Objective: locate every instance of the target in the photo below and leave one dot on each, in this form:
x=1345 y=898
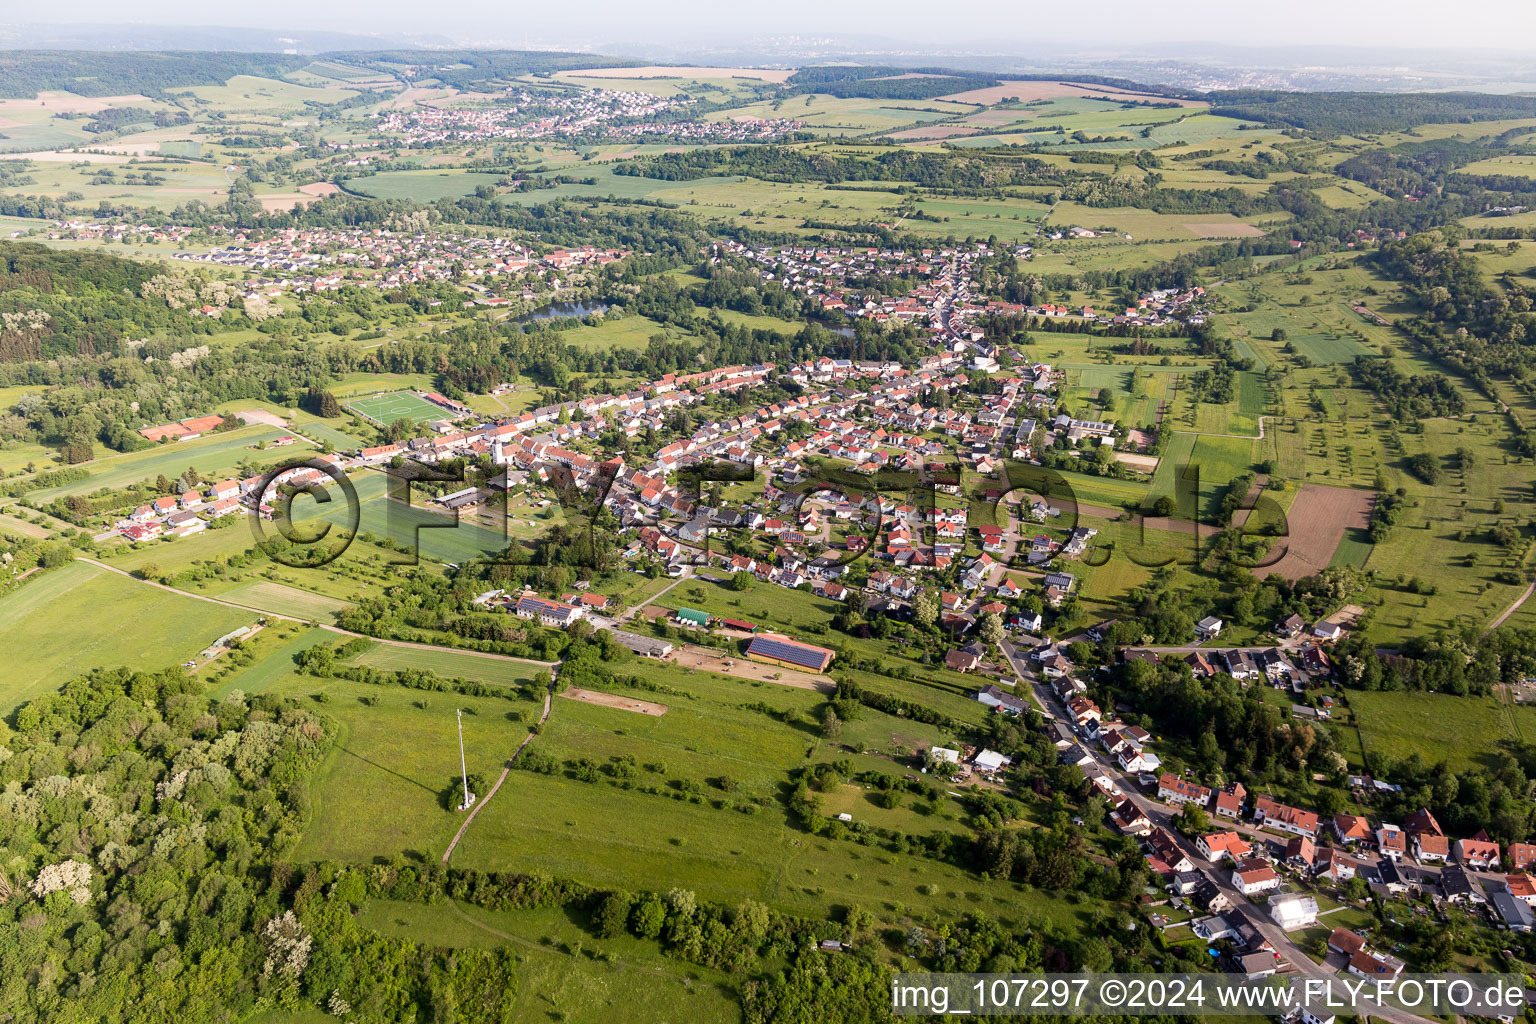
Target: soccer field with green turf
x=386 y=408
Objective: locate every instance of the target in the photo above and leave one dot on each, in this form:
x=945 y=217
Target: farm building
x=648 y=646
x=692 y=617
x=550 y=613
x=778 y=650
x=741 y=624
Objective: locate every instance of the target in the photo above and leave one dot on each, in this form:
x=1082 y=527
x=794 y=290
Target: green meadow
x=69 y=620
x=1461 y=731
x=213 y=455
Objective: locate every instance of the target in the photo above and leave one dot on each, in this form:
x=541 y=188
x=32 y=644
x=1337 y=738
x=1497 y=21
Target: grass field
x=1462 y=731
x=394 y=753
x=1143 y=225
x=1200 y=461
x=248 y=93
x=352 y=385
x=401 y=753
x=21 y=527
x=70 y=620
x=597 y=830
x=275 y=662
x=396 y=405
x=420 y=186
x=437 y=537
x=265 y=595
x=213 y=455
x=453 y=664
x=631 y=332
x=176 y=182
x=608 y=979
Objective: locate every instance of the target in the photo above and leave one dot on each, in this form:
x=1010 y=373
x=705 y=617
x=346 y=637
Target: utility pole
x=463 y=770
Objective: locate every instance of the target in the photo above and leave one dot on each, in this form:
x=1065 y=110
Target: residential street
x=1161 y=816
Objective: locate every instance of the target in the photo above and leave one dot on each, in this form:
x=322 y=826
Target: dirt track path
x=505 y=771
x=626 y=616
x=333 y=629
x=1496 y=623
x=1243 y=437
x=553 y=666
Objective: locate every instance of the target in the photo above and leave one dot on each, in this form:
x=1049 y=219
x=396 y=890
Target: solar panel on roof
x=786 y=650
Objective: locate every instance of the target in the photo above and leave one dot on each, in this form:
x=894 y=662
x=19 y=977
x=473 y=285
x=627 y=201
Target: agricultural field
x=78 y=617
x=1153 y=227
x=213 y=455
x=266 y=595
x=1321 y=518
x=262 y=97
x=173 y=182
x=420 y=186
x=1462 y=731
x=1200 y=464
x=833 y=116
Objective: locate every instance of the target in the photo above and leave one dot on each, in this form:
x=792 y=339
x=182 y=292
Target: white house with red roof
x=1478 y=853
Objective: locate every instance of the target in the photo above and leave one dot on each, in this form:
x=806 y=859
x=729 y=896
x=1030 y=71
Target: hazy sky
x=1026 y=27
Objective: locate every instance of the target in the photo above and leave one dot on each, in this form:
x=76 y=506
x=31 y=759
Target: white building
x=1293 y=910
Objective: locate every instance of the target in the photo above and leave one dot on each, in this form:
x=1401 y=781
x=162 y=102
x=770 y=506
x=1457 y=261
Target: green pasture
x=215 y=456
x=631 y=332
x=434 y=537
x=1461 y=731
x=421 y=186
x=70 y=620
x=563 y=964
x=251 y=95
x=453 y=664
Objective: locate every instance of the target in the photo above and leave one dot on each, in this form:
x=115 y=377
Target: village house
x=1169 y=857
x=1515 y=913
x=1173 y=790
x=995 y=697
x=1333 y=865
x=1252 y=877
x=1477 y=854
x=1272 y=814
x=961 y=661
x=1456 y=886
x=1293 y=910
x=1300 y=853
x=1129 y=819
x=1521 y=887
x=1368 y=963
x=1391 y=842
x=1290 y=626
x=1430 y=849
x=1227 y=802
x=1351 y=829
x=1219 y=846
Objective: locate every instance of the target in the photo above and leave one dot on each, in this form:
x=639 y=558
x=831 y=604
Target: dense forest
x=477 y=70
x=1366 y=113
x=782 y=164
x=1469 y=324
x=25 y=73
x=886 y=83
